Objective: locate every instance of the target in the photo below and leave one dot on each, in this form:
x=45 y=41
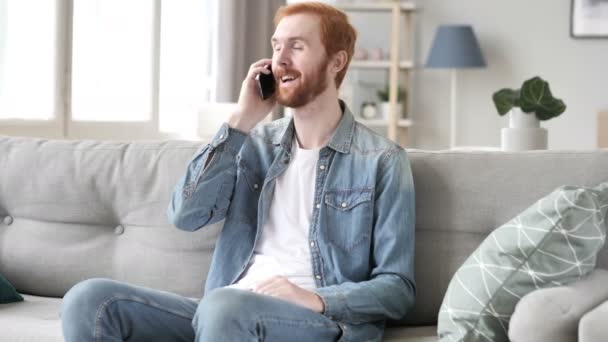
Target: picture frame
x=589 y=19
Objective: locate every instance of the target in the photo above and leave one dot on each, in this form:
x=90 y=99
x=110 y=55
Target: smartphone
x=266 y=84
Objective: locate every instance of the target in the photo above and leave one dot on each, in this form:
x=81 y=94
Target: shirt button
x=344 y=204
x=322 y=167
x=255 y=186
x=318 y=205
x=221 y=136
x=318 y=277
x=312 y=244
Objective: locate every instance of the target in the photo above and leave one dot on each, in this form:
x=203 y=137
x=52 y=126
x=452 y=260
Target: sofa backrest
x=83 y=209
x=462 y=196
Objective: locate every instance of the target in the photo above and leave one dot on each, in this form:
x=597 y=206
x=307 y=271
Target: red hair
x=337 y=33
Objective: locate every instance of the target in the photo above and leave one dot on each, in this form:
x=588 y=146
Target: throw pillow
x=8 y=294
x=552 y=243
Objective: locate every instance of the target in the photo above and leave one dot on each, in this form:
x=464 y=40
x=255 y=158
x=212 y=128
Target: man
x=318 y=237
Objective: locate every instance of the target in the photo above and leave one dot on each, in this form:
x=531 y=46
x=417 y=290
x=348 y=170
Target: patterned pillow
x=553 y=242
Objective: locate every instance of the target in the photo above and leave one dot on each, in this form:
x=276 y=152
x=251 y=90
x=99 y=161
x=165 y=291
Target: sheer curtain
x=243 y=37
x=188 y=33
x=205 y=59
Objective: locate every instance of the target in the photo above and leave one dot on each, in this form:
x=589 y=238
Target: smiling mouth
x=287 y=79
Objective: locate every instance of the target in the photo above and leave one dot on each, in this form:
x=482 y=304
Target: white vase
x=524 y=132
x=385 y=109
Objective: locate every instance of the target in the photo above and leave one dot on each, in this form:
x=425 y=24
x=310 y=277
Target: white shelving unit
x=398 y=67
x=369 y=64
x=378 y=6
x=401 y=123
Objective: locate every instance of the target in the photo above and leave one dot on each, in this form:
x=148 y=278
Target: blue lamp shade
x=455 y=46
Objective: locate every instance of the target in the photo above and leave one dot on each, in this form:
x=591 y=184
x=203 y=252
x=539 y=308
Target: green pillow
x=8 y=294
x=551 y=243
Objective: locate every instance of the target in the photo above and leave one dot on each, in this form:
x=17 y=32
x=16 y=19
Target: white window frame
x=62 y=126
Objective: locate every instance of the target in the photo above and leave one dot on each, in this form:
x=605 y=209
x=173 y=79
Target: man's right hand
x=251 y=109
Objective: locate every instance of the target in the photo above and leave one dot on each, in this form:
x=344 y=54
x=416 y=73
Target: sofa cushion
x=564 y=304
x=38 y=319
x=8 y=294
x=411 y=334
x=33 y=320
x=553 y=242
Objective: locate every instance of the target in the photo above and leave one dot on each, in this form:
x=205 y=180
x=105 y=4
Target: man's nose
x=282 y=58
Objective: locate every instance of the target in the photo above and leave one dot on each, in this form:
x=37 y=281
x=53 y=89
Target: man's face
x=299 y=61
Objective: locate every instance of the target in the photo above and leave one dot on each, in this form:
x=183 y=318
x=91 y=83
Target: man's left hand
x=282 y=288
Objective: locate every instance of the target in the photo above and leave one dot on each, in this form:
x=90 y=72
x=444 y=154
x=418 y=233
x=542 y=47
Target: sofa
x=72 y=210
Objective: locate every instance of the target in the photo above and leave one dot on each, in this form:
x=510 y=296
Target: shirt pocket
x=247 y=176
x=348 y=217
x=246 y=193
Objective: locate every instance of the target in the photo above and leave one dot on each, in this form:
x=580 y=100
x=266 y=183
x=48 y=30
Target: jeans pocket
x=348 y=217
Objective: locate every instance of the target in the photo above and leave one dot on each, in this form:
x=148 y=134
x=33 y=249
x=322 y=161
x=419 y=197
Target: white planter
x=524 y=132
x=385 y=110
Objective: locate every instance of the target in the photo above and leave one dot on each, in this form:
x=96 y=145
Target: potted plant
x=383 y=95
x=527 y=106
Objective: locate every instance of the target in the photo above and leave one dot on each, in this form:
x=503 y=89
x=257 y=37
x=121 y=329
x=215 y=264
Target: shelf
x=475 y=148
x=385 y=6
x=395 y=65
x=382 y=122
x=384 y=64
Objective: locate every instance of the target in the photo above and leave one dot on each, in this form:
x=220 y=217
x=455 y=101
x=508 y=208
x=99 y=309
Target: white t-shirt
x=283 y=248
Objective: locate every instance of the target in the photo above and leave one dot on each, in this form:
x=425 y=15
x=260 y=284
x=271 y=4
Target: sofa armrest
x=553 y=314
x=593 y=327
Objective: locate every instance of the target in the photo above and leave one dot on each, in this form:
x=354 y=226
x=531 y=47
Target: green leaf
x=505 y=99
x=551 y=110
x=536 y=98
x=383 y=94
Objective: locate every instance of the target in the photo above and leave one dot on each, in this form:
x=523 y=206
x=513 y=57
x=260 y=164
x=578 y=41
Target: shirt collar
x=340 y=141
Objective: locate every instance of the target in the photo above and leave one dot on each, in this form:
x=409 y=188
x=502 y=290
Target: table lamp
x=455 y=47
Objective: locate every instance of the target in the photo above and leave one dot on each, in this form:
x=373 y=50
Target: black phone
x=266 y=84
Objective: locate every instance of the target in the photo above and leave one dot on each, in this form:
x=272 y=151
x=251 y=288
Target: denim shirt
x=361 y=235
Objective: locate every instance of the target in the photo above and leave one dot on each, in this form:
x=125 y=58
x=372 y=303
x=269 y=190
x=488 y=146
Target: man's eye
x=297 y=48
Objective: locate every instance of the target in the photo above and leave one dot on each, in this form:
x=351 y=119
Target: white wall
x=520 y=39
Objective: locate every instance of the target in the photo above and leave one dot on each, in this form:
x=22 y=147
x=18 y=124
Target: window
x=106 y=69
x=186 y=77
x=27 y=59
x=112 y=60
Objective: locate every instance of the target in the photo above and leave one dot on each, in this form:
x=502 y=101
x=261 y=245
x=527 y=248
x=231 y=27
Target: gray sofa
x=72 y=210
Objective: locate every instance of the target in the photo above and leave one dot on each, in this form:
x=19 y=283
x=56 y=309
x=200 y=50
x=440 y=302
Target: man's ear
x=338 y=61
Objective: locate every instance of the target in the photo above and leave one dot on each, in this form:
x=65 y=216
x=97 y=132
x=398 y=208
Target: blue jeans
x=109 y=311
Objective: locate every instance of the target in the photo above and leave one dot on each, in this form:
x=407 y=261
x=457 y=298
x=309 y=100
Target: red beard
x=307 y=89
